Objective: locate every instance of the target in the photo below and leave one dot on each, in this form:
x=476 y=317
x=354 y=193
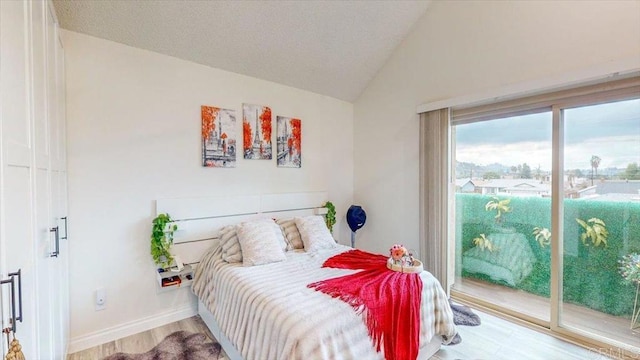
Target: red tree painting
x=289 y=142
x=246 y=135
x=256 y=132
x=265 y=121
x=209 y=114
x=218 y=137
x=296 y=134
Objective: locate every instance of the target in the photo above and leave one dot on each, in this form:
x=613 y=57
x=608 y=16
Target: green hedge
x=591 y=275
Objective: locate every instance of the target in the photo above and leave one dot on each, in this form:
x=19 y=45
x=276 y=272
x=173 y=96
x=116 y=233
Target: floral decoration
x=400 y=255
x=630 y=268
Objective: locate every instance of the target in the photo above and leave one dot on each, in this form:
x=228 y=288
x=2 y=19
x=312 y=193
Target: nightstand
x=171 y=280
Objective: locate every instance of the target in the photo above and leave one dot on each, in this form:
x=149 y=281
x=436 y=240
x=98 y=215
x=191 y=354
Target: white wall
x=469 y=47
x=134 y=136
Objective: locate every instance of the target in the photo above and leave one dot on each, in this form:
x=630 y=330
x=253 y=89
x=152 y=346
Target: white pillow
x=314 y=233
x=291 y=233
x=259 y=243
x=231 y=251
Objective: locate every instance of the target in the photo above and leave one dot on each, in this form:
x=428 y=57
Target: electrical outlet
x=101 y=299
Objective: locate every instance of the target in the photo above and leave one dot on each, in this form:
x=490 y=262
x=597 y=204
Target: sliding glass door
x=601 y=220
x=547 y=215
x=503 y=212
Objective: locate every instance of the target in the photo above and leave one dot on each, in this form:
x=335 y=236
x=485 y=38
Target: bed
x=268 y=312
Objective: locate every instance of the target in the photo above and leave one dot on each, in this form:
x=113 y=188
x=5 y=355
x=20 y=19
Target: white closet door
x=47 y=180
x=55 y=270
x=52 y=89
x=33 y=176
x=61 y=200
x=16 y=167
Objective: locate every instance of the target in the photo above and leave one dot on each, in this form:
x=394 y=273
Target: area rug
x=181 y=345
x=462 y=315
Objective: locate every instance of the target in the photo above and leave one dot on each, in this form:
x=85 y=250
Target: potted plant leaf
x=483 y=243
x=595 y=231
x=501 y=207
x=630 y=271
x=543 y=236
x=162 y=239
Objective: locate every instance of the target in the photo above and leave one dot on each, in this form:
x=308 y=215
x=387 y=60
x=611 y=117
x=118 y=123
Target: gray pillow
x=291 y=233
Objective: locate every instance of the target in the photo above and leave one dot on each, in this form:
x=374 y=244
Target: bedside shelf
x=184 y=278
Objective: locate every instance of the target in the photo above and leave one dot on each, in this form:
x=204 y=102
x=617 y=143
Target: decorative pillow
x=291 y=233
x=314 y=233
x=259 y=243
x=231 y=251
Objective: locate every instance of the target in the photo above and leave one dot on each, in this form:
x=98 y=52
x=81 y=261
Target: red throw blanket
x=390 y=299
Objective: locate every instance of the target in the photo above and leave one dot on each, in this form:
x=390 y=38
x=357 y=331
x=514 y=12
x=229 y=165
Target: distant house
x=465 y=185
x=586 y=193
x=522 y=187
x=618 y=187
x=616 y=190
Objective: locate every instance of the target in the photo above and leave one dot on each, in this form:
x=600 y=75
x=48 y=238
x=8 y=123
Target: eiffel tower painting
x=256 y=128
x=218 y=137
x=289 y=142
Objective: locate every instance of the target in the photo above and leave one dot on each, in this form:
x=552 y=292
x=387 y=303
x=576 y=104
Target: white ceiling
x=333 y=48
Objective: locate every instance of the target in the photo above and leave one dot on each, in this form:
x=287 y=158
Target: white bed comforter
x=268 y=312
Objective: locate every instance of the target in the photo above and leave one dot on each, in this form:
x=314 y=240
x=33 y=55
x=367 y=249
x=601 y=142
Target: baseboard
x=130 y=328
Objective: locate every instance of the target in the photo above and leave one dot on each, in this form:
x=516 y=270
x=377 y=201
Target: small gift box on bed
x=401 y=260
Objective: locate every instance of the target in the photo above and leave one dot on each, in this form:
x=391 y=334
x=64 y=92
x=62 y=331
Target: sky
x=227 y=118
x=610 y=131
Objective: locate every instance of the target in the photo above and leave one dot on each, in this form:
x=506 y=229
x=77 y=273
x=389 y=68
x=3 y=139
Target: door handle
x=19 y=275
x=56 y=252
x=12 y=282
x=66 y=229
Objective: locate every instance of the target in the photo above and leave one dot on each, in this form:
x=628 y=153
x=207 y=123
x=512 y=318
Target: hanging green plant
x=330 y=217
x=162 y=239
x=595 y=230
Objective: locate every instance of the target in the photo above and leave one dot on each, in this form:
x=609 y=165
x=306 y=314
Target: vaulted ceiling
x=332 y=48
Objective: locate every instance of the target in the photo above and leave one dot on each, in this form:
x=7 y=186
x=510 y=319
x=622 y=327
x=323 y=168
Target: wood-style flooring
x=144 y=341
x=495 y=339
x=499 y=339
x=581 y=317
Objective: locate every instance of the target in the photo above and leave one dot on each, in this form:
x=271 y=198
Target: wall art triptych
x=219 y=137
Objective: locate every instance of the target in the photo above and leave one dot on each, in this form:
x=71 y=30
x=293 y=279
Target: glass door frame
x=607 y=346
x=597 y=343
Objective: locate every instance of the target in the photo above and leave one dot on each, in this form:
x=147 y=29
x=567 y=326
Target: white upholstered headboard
x=200 y=218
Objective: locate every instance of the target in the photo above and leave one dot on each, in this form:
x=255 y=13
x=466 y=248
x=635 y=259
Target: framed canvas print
x=218 y=137
x=289 y=142
x=256 y=132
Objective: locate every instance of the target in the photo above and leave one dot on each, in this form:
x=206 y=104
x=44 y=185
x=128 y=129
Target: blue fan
x=356 y=217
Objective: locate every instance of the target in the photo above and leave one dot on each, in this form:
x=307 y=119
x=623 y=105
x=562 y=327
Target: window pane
x=601 y=218
x=503 y=212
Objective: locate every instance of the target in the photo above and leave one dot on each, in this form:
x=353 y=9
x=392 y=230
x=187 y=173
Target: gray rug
x=462 y=315
x=181 y=345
